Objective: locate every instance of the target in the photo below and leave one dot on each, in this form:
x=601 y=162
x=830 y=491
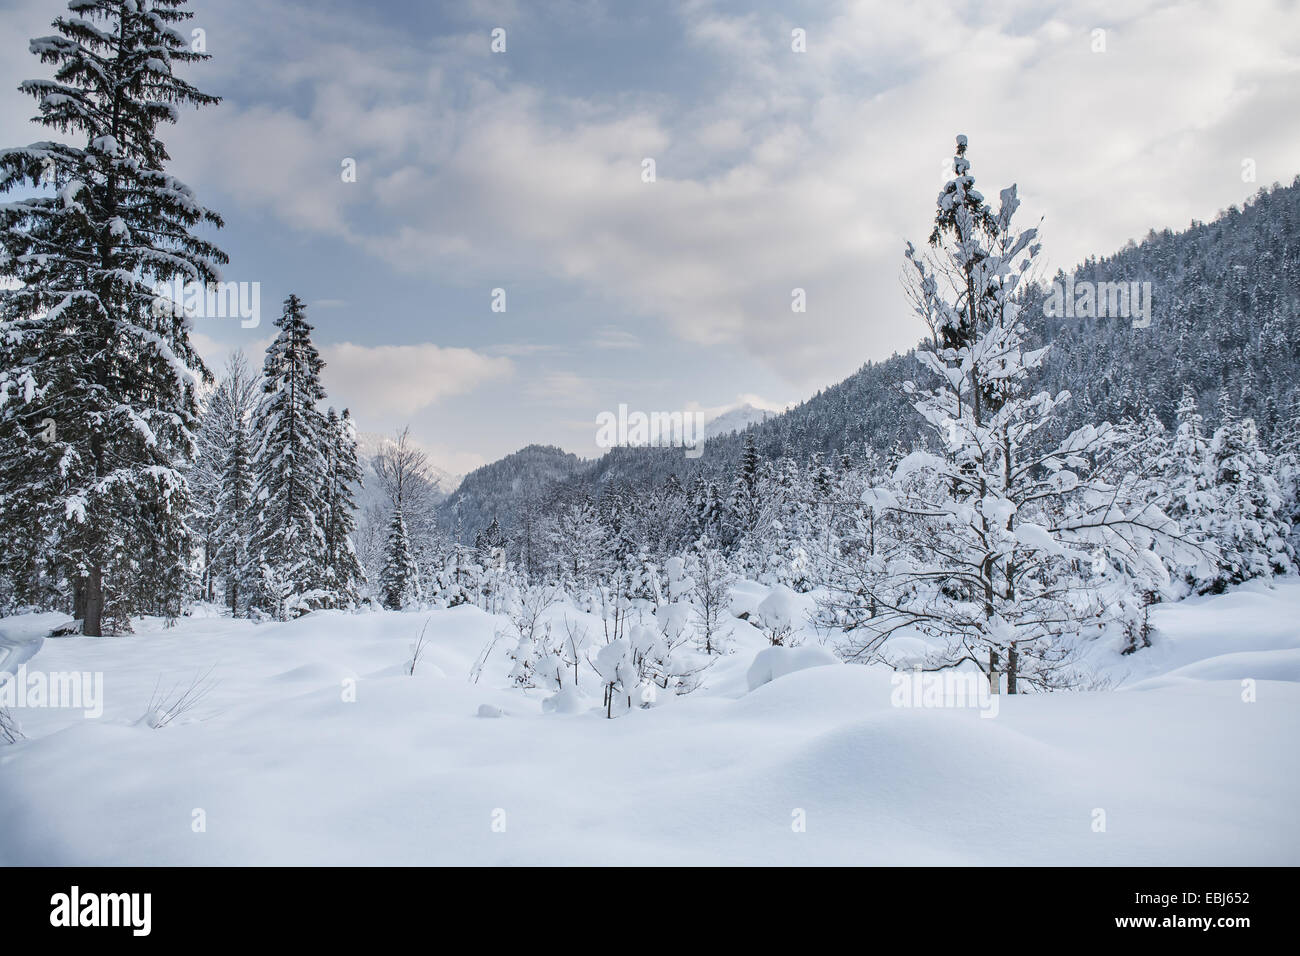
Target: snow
x=774 y=662
x=286 y=769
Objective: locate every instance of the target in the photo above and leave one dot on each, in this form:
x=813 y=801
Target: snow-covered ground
x=815 y=766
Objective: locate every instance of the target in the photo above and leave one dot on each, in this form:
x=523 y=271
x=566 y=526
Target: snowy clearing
x=283 y=770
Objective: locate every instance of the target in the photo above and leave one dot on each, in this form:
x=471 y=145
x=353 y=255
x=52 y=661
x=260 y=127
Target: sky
x=775 y=169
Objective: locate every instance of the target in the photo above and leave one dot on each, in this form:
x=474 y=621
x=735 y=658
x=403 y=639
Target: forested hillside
x=1225 y=317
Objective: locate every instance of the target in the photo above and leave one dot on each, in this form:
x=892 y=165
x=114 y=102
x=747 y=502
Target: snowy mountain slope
x=1226 y=313
x=285 y=770
x=499 y=488
x=737 y=420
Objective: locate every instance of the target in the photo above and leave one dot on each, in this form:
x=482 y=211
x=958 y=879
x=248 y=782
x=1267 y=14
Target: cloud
x=523 y=349
x=796 y=171
x=563 y=388
x=742 y=401
x=775 y=170
x=399 y=380
x=215 y=352
x=615 y=339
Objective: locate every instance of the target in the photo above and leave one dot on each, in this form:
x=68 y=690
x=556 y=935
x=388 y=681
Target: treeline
x=125 y=488
x=274 y=485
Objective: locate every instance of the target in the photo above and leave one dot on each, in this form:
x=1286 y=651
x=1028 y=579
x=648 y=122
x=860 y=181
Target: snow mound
x=774 y=662
x=566 y=701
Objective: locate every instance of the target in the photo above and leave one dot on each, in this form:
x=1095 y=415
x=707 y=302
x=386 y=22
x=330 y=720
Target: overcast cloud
x=775 y=170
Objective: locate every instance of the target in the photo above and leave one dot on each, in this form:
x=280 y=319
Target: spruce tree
x=1191 y=493
x=745 y=490
x=489 y=542
x=97 y=386
x=1246 y=523
x=233 y=521
x=1004 y=518
x=229 y=406
x=344 y=476
x=292 y=472
x=399 y=581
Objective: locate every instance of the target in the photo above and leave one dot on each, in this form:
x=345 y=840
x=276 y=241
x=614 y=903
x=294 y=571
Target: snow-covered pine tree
x=291 y=468
x=97 y=386
x=1002 y=516
x=1286 y=470
x=579 y=540
x=707 y=517
x=490 y=543
x=233 y=559
x=1189 y=482
x=1246 y=523
x=399 y=581
x=343 y=477
x=743 y=505
x=405 y=476
x=231 y=403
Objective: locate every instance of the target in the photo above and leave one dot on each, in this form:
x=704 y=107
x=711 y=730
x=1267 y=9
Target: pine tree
x=1246 y=523
x=343 y=476
x=999 y=518
x=233 y=558
x=490 y=543
x=579 y=540
x=706 y=509
x=399 y=581
x=744 y=505
x=405 y=476
x=1189 y=482
x=292 y=472
x=1286 y=468
x=230 y=405
x=97 y=385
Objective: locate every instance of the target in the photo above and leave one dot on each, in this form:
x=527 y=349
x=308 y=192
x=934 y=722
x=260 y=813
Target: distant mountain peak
x=737 y=420
x=370 y=444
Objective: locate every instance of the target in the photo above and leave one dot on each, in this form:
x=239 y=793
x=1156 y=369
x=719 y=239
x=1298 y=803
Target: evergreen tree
x=343 y=476
x=230 y=405
x=292 y=468
x=1286 y=469
x=233 y=559
x=490 y=543
x=706 y=509
x=1005 y=518
x=399 y=581
x=97 y=384
x=1190 y=490
x=744 y=505
x=1246 y=522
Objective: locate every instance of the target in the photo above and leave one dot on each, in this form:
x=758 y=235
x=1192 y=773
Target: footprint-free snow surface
x=314 y=745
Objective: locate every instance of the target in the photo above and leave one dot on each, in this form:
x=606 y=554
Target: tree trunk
x=1011 y=669
x=993 y=671
x=79 y=599
x=93 y=623
x=207 y=570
